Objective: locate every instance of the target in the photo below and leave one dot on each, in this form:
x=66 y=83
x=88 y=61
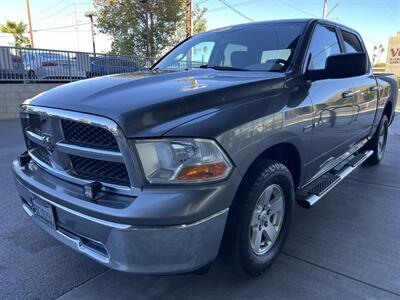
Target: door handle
x=373 y=88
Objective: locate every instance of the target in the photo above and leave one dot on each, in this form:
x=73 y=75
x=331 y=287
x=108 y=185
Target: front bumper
x=143 y=249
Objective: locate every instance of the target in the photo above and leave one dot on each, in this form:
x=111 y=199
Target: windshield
x=259 y=47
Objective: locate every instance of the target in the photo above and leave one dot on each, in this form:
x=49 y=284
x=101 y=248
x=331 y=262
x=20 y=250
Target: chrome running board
x=313 y=192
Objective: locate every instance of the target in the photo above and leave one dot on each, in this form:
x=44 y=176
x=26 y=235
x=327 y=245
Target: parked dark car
x=111 y=65
x=157 y=172
x=16 y=70
x=50 y=65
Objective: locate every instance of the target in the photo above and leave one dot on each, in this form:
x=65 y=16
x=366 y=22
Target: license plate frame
x=43 y=211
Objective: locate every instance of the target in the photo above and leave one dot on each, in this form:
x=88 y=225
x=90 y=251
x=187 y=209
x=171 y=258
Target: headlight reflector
x=182 y=160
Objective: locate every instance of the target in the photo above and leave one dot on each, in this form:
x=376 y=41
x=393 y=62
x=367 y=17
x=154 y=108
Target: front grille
x=40 y=152
x=86 y=135
x=99 y=170
x=33 y=123
x=57 y=127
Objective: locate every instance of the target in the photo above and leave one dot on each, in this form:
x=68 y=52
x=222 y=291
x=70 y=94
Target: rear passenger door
x=364 y=90
x=332 y=104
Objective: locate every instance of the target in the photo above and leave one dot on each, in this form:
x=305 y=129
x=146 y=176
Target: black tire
x=236 y=246
x=375 y=143
x=32 y=75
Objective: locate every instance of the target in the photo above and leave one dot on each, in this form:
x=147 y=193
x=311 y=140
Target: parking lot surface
x=346 y=247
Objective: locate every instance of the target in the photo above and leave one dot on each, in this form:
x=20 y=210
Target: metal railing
x=44 y=65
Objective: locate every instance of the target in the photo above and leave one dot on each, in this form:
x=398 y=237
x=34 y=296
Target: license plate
x=43 y=211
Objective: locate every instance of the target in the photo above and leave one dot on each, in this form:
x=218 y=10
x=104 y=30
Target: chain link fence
x=45 y=65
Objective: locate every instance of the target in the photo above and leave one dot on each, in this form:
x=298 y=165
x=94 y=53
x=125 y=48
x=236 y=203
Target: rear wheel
x=378 y=142
x=260 y=218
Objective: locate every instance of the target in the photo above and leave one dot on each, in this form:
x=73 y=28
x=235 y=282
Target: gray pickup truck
x=206 y=153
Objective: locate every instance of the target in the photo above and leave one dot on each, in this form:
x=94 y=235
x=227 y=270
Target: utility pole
x=28 y=8
x=76 y=23
x=188 y=15
x=325 y=11
x=91 y=14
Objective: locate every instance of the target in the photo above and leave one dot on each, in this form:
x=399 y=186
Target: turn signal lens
x=204 y=172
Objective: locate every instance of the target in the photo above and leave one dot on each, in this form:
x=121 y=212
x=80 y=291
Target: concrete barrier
x=13 y=94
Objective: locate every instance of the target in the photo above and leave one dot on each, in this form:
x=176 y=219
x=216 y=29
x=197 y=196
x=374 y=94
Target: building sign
x=393 y=55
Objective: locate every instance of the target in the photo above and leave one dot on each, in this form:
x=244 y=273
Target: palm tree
x=17 y=30
x=381 y=50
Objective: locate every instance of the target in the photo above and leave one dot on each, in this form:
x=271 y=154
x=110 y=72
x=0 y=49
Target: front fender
x=246 y=131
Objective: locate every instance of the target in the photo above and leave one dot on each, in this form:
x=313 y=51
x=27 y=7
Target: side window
x=351 y=42
x=324 y=43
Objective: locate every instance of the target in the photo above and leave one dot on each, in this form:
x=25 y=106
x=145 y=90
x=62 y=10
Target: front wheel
x=260 y=217
x=378 y=142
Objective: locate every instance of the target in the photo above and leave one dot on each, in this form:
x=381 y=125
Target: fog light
x=24 y=159
x=92 y=191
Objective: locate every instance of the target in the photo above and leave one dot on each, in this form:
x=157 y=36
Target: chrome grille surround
x=51 y=138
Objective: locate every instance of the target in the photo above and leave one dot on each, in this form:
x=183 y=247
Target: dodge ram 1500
x=206 y=153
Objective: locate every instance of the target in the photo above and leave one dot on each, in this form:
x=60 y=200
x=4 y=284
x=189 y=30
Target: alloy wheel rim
x=382 y=140
x=267 y=219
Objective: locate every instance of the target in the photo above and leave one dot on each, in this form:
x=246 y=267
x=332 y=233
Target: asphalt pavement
x=346 y=247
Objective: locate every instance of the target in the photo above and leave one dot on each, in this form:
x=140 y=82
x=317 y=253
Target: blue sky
x=376 y=20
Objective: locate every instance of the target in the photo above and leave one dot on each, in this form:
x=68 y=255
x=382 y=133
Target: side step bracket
x=314 y=191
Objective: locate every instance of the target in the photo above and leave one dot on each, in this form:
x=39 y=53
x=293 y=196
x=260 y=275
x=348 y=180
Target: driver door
x=332 y=104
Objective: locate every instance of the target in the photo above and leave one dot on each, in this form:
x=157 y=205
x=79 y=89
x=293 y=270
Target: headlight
x=182 y=160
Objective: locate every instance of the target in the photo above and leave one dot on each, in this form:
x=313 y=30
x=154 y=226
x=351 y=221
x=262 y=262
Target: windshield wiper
x=222 y=68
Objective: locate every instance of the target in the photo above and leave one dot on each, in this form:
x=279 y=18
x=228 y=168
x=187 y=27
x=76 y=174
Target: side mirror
x=341 y=66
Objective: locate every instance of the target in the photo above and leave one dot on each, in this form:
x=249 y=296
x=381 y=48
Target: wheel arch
x=388 y=110
x=284 y=152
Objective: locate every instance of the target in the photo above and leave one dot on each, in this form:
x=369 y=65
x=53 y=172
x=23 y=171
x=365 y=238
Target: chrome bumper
x=136 y=249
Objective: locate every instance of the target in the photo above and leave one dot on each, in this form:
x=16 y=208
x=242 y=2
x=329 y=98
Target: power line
x=49 y=8
x=62 y=18
x=56 y=13
x=1 y=14
x=236 y=11
x=363 y=36
x=236 y=5
x=298 y=9
x=369 y=40
x=61 y=27
x=252 y=2
x=65 y=31
x=333 y=8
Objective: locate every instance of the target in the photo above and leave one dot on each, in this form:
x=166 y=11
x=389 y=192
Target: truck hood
x=149 y=104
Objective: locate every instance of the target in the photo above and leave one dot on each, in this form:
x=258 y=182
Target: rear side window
x=324 y=43
x=351 y=42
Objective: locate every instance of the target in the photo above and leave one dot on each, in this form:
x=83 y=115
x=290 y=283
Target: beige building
x=393 y=55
